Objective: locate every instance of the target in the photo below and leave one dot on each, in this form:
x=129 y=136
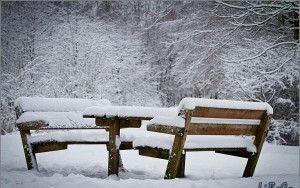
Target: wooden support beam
x=154 y=152
x=181 y=167
x=258 y=142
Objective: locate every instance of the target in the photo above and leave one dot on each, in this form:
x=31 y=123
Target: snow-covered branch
x=259 y=54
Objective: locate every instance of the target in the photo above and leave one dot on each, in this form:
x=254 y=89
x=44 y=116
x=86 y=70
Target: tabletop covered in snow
x=129 y=111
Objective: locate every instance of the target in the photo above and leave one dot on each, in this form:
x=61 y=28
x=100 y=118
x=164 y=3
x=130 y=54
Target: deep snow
x=86 y=166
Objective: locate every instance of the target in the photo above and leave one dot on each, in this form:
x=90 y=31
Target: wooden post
x=177 y=149
x=29 y=153
x=262 y=132
x=113 y=150
x=181 y=166
x=121 y=166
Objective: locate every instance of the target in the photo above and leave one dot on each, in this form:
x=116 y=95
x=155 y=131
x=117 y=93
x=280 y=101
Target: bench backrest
x=209 y=117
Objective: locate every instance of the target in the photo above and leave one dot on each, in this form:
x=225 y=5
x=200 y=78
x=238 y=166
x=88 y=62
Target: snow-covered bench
x=50 y=124
x=229 y=127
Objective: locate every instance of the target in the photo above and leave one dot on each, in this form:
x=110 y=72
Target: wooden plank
x=181 y=167
x=126 y=146
x=227 y=113
x=28 y=152
x=32 y=125
x=130 y=123
x=113 y=158
x=177 y=149
x=221 y=129
x=258 y=142
x=154 y=152
x=46 y=147
x=164 y=129
x=105 y=122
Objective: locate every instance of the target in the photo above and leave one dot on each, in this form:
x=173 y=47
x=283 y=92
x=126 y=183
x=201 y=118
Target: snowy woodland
x=154 y=53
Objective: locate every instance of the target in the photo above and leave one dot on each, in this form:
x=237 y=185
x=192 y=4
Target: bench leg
x=175 y=157
x=29 y=153
x=181 y=167
x=258 y=142
x=250 y=167
x=113 y=150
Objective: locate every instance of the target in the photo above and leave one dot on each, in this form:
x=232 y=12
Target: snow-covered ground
x=86 y=166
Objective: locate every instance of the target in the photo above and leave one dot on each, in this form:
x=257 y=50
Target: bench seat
x=70 y=136
x=197 y=143
x=236 y=128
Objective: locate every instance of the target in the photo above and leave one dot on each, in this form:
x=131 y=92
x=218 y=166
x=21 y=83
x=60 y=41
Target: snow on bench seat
x=129 y=111
x=194 y=142
x=178 y=121
x=192 y=103
x=76 y=136
x=40 y=104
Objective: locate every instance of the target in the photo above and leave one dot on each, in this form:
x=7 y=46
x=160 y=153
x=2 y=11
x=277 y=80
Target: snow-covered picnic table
x=222 y=124
x=117 y=117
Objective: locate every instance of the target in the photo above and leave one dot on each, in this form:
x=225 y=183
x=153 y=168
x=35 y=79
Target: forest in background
x=154 y=53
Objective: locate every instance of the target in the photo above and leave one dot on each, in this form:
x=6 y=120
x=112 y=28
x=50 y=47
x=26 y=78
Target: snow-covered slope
x=86 y=166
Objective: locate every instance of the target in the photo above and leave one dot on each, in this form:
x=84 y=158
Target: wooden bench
x=208 y=117
x=51 y=124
